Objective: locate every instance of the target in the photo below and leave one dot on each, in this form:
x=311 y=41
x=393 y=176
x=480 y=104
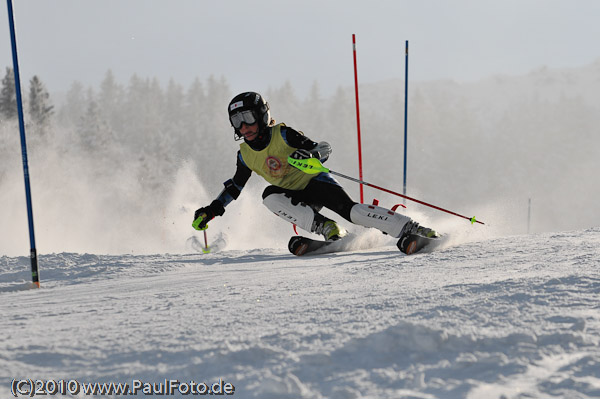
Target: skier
x=293 y=195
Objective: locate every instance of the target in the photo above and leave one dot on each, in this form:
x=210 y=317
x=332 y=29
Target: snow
x=503 y=317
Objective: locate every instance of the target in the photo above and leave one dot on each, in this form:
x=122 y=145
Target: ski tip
x=301 y=249
x=412 y=244
x=411 y=248
x=296 y=246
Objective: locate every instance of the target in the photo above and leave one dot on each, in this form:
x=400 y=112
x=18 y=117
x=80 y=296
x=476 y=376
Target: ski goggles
x=238 y=118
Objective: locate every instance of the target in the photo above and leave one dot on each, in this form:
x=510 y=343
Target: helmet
x=248 y=107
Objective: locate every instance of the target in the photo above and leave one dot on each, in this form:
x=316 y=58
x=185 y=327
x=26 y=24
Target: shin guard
x=380 y=218
x=281 y=205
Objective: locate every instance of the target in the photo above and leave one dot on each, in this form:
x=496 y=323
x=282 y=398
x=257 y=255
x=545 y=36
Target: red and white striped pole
x=360 y=174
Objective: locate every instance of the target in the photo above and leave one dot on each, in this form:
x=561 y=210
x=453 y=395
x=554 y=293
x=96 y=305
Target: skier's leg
x=325 y=192
x=299 y=214
x=281 y=203
x=387 y=221
x=329 y=193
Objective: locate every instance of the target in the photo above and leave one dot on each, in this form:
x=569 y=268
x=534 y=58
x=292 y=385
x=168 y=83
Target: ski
x=300 y=245
x=414 y=243
x=411 y=244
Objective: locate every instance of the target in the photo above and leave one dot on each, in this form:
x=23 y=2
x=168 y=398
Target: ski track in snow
x=510 y=317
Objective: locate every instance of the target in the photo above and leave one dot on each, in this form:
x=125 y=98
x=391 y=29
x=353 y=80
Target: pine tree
x=173 y=109
x=110 y=102
x=40 y=109
x=194 y=115
x=74 y=106
x=94 y=132
x=8 y=96
x=311 y=112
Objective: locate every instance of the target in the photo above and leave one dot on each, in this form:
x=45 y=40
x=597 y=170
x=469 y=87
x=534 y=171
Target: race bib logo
x=274 y=166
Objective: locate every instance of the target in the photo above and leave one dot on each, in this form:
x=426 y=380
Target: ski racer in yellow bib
x=293 y=195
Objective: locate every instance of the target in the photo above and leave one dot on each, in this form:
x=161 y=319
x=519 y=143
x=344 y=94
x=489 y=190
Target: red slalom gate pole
x=360 y=173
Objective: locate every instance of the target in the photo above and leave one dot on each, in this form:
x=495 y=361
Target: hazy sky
x=262 y=43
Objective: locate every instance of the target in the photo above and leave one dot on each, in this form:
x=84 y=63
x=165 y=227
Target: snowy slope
x=510 y=317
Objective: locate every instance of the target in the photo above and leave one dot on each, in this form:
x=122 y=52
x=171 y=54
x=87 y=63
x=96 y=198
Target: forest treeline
x=467 y=141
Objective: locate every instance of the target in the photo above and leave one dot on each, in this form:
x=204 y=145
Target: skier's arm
x=232 y=190
x=234 y=186
x=306 y=147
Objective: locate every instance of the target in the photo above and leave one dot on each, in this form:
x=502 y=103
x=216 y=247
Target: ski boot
x=327 y=227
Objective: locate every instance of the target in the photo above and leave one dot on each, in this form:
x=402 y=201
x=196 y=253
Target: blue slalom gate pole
x=33 y=254
x=405 y=117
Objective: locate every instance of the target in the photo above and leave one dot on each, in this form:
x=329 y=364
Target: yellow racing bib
x=271 y=162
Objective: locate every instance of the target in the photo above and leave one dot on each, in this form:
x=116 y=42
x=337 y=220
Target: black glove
x=207 y=214
x=301 y=154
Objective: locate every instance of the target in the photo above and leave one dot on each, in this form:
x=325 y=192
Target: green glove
x=201 y=222
x=205 y=214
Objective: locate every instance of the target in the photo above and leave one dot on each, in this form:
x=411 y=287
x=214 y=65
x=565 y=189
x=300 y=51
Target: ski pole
x=313 y=166
x=206 y=248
